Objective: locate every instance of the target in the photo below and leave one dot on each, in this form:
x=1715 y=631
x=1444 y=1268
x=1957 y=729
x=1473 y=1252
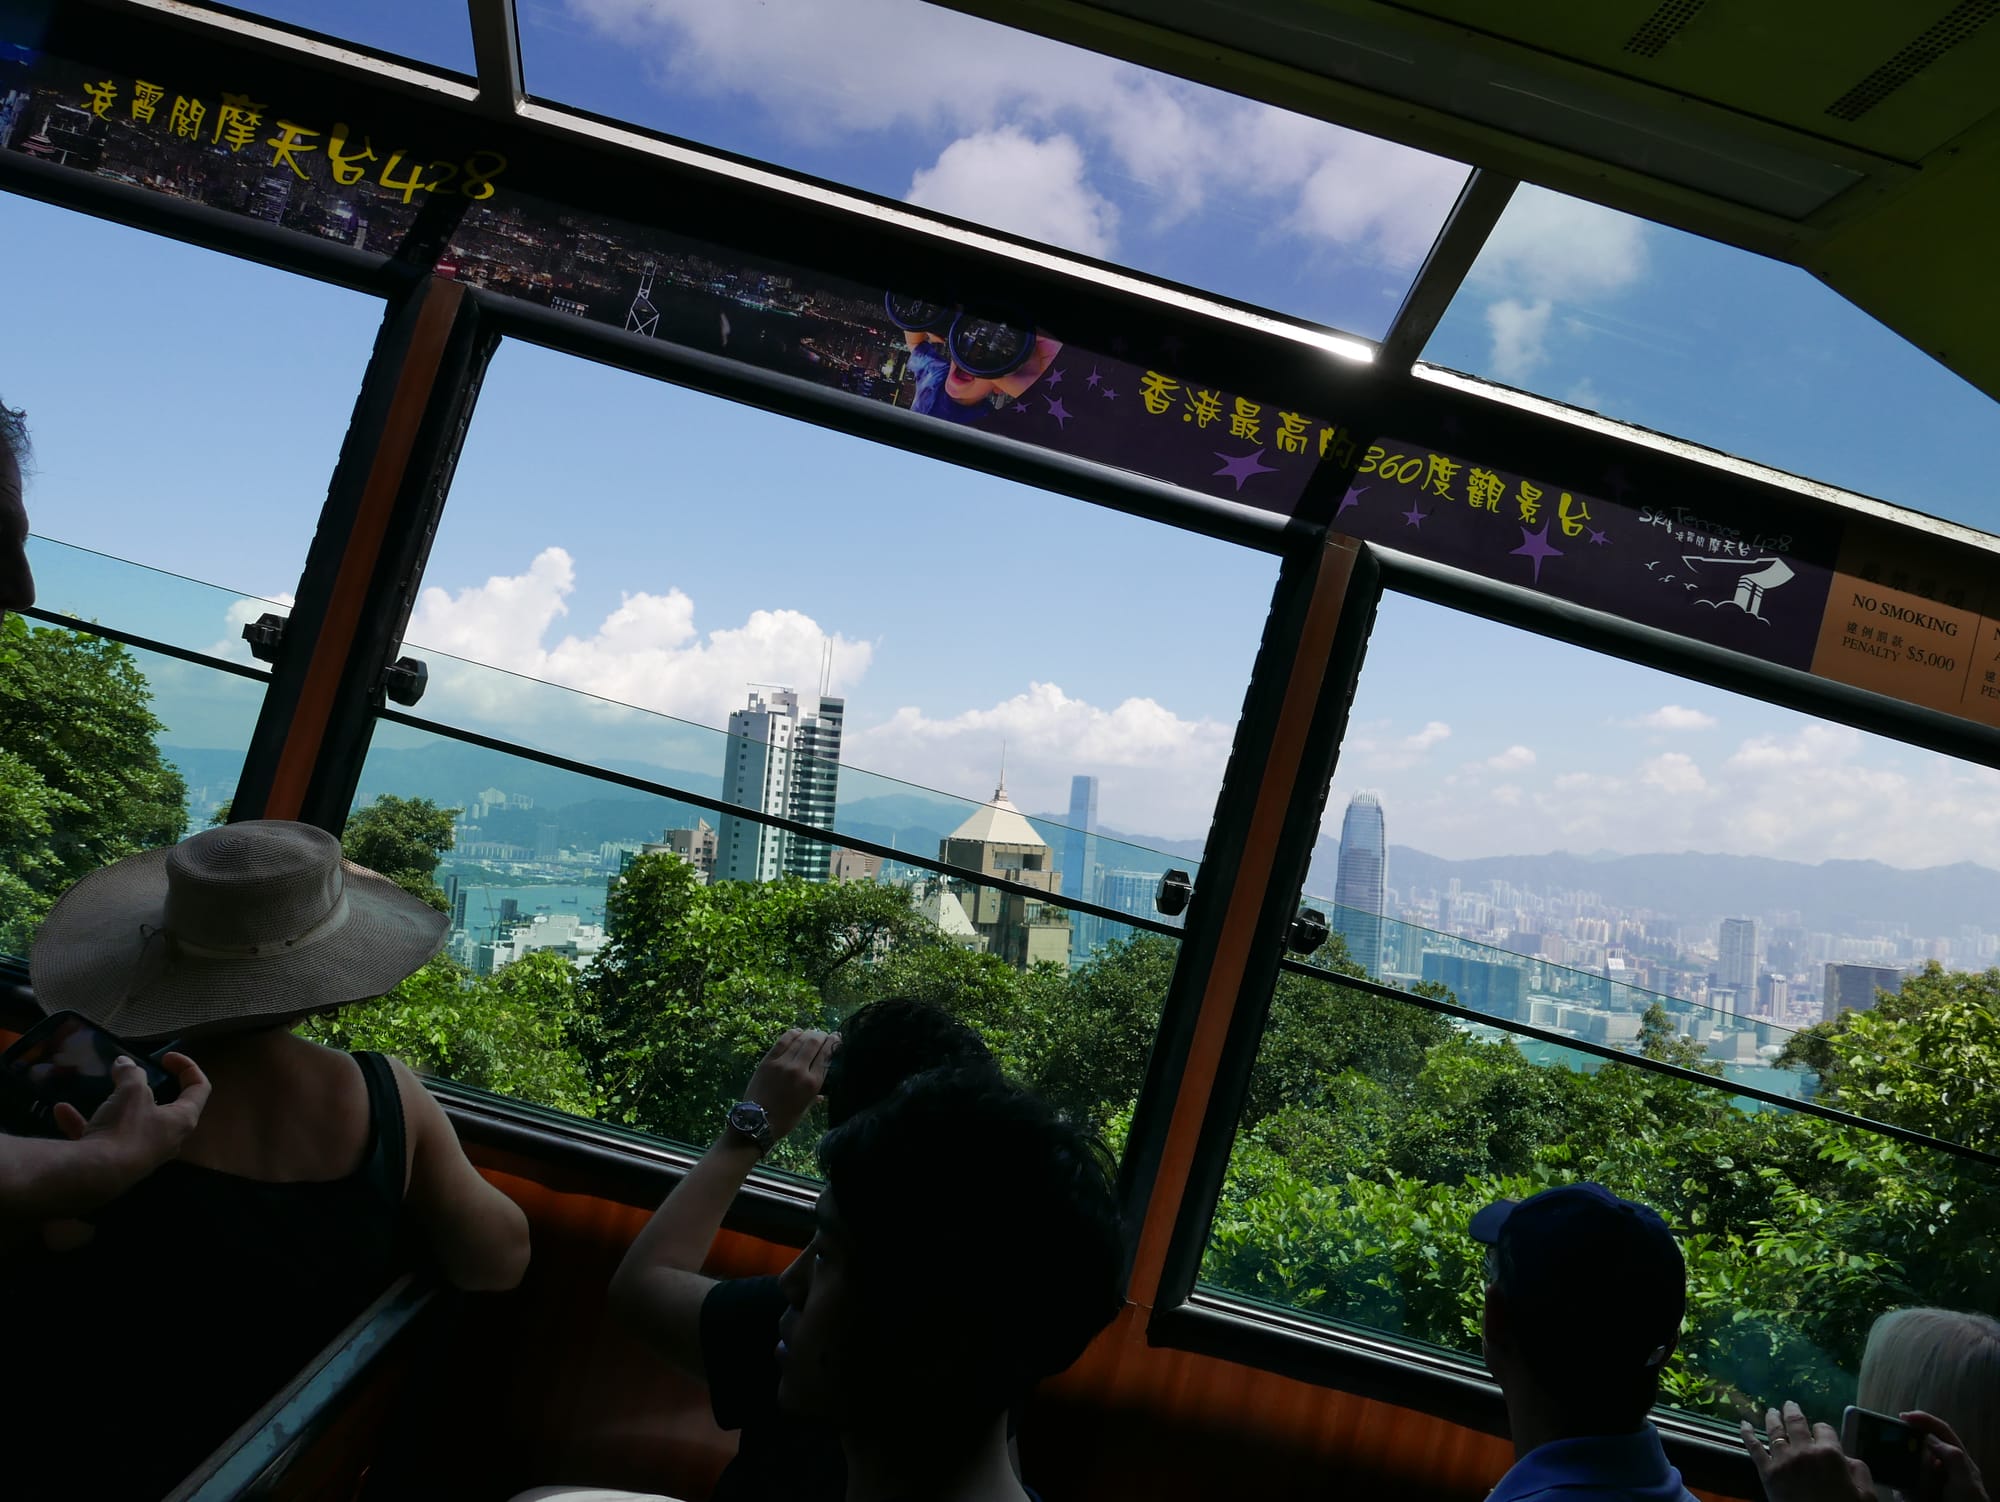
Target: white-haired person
x=311 y=1180
x=1938 y=1370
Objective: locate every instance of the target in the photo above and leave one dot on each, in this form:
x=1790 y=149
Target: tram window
x=425 y=31
x=960 y=114
x=596 y=968
x=1616 y=857
x=1688 y=336
x=105 y=751
x=186 y=407
x=943 y=631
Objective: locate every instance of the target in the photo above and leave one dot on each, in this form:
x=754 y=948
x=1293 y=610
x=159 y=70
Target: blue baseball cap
x=1606 y=1270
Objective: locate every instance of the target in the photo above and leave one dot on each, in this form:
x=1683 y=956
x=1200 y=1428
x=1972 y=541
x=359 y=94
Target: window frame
x=1300 y=684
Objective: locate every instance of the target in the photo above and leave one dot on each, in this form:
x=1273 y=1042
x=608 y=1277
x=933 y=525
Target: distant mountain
x=1834 y=896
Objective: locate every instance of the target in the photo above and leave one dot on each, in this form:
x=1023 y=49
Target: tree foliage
x=403 y=839
x=82 y=782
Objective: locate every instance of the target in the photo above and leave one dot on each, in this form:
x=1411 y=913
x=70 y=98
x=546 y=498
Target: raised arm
x=659 y=1287
x=478 y=1235
x=130 y=1135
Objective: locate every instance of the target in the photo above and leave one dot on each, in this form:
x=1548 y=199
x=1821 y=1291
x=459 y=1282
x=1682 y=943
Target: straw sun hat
x=236 y=927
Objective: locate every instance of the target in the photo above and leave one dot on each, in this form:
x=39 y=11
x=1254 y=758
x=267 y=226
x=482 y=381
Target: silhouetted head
x=886 y=1044
x=1585 y=1293
x=968 y=1246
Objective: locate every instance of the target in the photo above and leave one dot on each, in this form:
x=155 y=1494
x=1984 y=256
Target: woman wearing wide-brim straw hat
x=312 y=1177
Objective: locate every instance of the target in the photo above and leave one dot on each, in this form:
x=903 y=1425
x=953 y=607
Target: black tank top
x=199 y=1296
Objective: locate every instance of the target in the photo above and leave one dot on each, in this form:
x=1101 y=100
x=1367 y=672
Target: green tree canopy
x=403 y=839
x=82 y=781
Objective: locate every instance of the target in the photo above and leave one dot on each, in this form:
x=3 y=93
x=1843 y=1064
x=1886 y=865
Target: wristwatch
x=748 y=1119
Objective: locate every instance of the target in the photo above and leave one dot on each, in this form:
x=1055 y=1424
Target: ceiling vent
x=1957 y=25
x=1662 y=26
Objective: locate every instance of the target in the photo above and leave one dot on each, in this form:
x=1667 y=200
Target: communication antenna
x=825 y=666
x=644 y=317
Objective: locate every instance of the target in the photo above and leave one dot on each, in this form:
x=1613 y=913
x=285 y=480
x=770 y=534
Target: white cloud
x=1159 y=770
x=824 y=72
x=1549 y=251
x=1513 y=759
x=650 y=657
x=1376 y=747
x=1520 y=335
x=1548 y=246
x=1672 y=717
x=1035 y=188
x=649 y=653
x=1429 y=736
x=1812 y=792
x=1674 y=773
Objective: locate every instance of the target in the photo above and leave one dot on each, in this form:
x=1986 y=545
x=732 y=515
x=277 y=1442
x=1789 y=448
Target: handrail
x=255 y=1458
x=778 y=821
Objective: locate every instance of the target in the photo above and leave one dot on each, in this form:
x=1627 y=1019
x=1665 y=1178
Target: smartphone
x=1890 y=1448
x=67 y=1057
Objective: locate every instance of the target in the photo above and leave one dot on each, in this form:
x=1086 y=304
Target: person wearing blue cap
x=1584 y=1298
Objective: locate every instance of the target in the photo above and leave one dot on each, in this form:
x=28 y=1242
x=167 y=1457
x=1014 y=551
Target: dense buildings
x=1362 y=885
x=1736 y=958
x=1852 y=988
x=782 y=758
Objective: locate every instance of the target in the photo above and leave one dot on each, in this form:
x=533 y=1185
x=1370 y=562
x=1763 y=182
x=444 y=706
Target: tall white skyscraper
x=1736 y=959
x=781 y=758
x=1362 y=885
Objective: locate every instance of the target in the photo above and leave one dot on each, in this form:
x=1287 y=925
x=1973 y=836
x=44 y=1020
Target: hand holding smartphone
x=67 y=1059
x=1891 y=1449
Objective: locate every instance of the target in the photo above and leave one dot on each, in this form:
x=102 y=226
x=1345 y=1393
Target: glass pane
x=1375 y=1130
x=1638 y=834
x=147 y=602
x=104 y=751
x=541 y=997
x=974 y=631
x=1757 y=358
x=438 y=32
x=169 y=425
x=971 y=118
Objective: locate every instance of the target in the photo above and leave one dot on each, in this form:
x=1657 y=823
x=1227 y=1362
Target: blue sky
x=660 y=547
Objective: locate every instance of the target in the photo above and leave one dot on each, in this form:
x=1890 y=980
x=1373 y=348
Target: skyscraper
x=1079 y=867
x=780 y=759
x=1360 y=887
x=1853 y=988
x=1736 y=962
x=1079 y=855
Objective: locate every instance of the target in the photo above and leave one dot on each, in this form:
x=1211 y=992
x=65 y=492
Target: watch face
x=748 y=1118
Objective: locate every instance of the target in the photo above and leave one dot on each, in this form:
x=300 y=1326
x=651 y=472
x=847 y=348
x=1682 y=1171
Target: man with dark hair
x=17 y=583
x=1584 y=1298
x=968 y=1246
x=725 y=1332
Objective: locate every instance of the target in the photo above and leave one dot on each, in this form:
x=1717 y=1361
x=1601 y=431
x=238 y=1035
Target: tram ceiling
x=725 y=275
x=1860 y=141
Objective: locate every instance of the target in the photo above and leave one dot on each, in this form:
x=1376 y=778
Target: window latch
x=1308 y=931
x=405 y=679
x=265 y=635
